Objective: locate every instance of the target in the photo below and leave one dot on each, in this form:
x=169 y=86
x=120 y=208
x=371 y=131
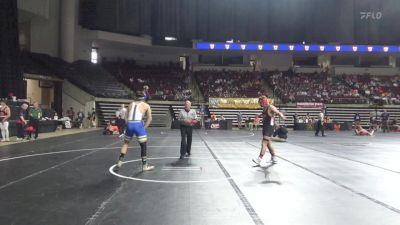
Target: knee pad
x=142 y=139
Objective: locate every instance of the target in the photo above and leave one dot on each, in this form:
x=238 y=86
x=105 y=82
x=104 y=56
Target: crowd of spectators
x=166 y=81
x=378 y=89
x=229 y=84
x=316 y=87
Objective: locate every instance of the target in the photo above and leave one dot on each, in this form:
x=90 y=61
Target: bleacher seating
x=106 y=111
x=339 y=114
x=231 y=114
x=229 y=84
x=378 y=89
x=335 y=113
x=179 y=106
x=316 y=87
x=86 y=75
x=98 y=80
x=165 y=82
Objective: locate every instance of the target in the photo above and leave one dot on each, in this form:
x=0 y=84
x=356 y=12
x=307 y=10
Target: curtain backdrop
x=316 y=21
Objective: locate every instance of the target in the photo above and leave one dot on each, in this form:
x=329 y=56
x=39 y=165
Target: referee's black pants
x=320 y=127
x=186 y=141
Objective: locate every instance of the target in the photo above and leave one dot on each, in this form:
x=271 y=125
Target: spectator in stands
x=11 y=96
x=93 y=119
x=21 y=122
x=239 y=83
x=146 y=93
x=80 y=118
x=394 y=126
x=5 y=114
x=167 y=81
x=357 y=118
x=314 y=88
x=249 y=123
x=35 y=114
x=257 y=120
x=295 y=121
x=55 y=116
x=385 y=121
x=201 y=112
x=110 y=128
x=188 y=118
x=207 y=123
x=239 y=117
x=307 y=118
x=120 y=118
x=222 y=118
x=213 y=117
x=89 y=119
x=373 y=123
x=71 y=113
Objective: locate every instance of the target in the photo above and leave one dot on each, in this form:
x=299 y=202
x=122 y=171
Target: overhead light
x=94 y=56
x=170 y=38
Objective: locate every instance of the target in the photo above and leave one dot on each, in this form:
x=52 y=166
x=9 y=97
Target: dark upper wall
x=11 y=78
x=317 y=21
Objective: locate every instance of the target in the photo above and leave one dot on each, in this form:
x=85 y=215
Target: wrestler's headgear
x=140 y=95
x=263 y=100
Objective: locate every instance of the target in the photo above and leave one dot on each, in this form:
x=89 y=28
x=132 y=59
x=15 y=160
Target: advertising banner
x=315 y=105
x=235 y=103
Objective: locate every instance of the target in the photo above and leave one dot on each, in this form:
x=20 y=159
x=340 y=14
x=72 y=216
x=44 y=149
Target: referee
x=187 y=118
x=320 y=124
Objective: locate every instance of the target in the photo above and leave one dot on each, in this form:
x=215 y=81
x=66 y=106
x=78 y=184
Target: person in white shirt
x=5 y=114
x=188 y=118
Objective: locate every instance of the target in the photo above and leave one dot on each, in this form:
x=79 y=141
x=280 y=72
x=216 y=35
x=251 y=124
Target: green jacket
x=36 y=113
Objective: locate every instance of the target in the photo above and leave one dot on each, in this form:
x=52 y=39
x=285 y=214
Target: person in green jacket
x=35 y=114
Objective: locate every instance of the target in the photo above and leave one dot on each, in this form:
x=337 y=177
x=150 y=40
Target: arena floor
x=339 y=179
